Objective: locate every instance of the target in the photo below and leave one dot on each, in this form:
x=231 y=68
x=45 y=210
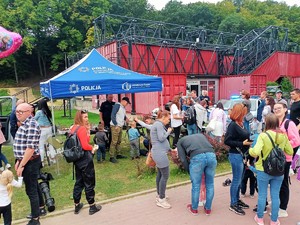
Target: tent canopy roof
x=94 y=75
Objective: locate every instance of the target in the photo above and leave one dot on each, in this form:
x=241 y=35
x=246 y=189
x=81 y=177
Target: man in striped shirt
x=28 y=160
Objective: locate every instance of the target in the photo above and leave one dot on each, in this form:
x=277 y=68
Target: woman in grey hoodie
x=160 y=149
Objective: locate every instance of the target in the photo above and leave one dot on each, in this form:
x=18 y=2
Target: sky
x=159 y=4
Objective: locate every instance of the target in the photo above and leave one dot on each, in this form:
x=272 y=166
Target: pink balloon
x=9 y=42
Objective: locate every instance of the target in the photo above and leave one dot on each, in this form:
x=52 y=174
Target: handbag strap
x=269 y=136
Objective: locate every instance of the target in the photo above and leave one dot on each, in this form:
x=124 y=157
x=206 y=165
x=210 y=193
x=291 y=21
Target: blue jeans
x=263 y=180
x=192 y=129
x=2 y=157
x=247 y=125
x=237 y=166
x=203 y=163
x=101 y=152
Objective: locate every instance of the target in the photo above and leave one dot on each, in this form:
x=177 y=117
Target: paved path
x=142 y=210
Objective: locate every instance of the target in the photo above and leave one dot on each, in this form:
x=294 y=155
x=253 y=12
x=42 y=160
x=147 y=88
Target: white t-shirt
x=175 y=111
x=4 y=198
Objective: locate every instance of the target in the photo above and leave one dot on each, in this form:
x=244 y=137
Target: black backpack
x=72 y=147
x=190 y=116
x=274 y=163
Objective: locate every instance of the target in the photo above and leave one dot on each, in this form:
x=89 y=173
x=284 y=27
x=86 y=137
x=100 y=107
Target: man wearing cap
x=279 y=98
x=118 y=117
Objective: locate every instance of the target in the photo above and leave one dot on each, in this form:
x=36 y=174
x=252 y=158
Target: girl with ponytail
x=7 y=181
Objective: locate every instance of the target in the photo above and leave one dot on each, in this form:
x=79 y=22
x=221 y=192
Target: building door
x=210 y=85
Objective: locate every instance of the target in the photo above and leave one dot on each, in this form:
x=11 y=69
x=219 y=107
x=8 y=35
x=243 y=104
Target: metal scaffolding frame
x=235 y=53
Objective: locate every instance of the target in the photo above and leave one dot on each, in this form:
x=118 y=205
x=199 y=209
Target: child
x=134 y=138
x=2 y=156
x=254 y=126
x=6 y=182
x=248 y=175
x=101 y=140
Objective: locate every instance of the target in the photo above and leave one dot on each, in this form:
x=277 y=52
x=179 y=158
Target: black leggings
x=6 y=212
x=176 y=133
x=161 y=181
x=284 y=193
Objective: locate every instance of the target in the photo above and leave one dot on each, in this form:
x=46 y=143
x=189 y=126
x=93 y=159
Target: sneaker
x=157 y=198
x=78 y=208
x=255 y=210
x=282 y=213
x=237 y=209
x=207 y=211
x=43 y=212
x=1 y=169
x=163 y=203
x=7 y=166
x=242 y=204
x=121 y=157
x=194 y=212
x=34 y=222
x=259 y=221
x=275 y=223
x=113 y=160
x=94 y=208
x=251 y=196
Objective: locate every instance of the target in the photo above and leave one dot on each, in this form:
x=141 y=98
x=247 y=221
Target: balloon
x=9 y=42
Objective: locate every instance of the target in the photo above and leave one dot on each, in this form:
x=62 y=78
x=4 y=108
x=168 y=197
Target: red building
x=190 y=58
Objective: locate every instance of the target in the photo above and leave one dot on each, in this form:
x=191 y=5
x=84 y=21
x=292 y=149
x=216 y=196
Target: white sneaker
x=163 y=203
x=282 y=213
x=1 y=169
x=157 y=198
x=7 y=166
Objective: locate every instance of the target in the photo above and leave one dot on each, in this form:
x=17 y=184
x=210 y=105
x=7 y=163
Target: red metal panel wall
x=257 y=84
x=109 y=51
x=232 y=85
x=280 y=64
x=146 y=102
x=296 y=82
x=159 y=59
x=172 y=85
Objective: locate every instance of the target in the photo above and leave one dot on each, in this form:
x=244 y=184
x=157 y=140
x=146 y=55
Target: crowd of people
x=249 y=142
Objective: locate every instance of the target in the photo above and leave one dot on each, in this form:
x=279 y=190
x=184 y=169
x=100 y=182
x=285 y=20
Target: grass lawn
x=112 y=180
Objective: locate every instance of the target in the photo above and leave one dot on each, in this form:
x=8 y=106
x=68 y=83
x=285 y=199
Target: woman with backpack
x=262 y=149
x=84 y=167
x=289 y=127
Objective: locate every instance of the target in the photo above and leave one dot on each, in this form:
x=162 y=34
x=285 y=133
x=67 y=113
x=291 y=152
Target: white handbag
x=211 y=125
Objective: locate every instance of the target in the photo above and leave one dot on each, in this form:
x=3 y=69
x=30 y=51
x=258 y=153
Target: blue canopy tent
x=95 y=75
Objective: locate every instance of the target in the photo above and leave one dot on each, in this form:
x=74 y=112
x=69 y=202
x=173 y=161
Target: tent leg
x=133 y=112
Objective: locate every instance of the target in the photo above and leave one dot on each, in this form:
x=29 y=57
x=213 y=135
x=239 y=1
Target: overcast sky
x=159 y=4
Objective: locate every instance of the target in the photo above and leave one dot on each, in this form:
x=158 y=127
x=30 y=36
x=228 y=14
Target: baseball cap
x=279 y=91
x=126 y=99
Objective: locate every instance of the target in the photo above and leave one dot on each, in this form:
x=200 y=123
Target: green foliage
x=51 y=28
x=272 y=83
x=286 y=85
x=4 y=92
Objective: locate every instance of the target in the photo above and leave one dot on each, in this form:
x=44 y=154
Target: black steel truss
x=235 y=53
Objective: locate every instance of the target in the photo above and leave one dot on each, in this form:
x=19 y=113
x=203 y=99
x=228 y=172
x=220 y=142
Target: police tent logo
x=126 y=86
x=74 y=88
x=83 y=69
